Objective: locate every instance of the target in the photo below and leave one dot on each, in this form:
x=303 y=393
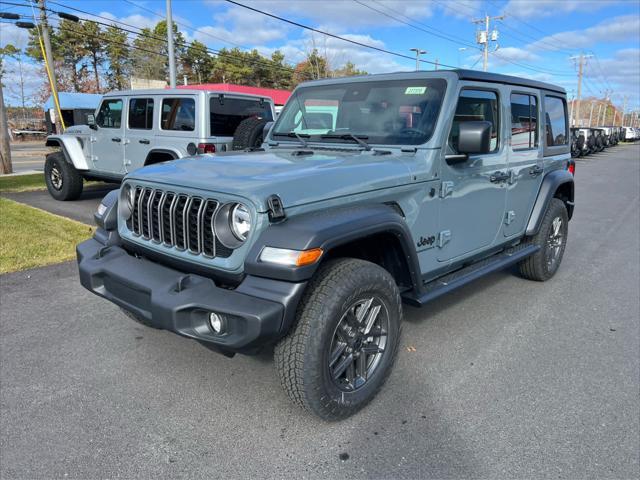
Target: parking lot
x=504 y=378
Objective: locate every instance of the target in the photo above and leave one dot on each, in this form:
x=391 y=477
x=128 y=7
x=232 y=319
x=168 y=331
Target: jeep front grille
x=176 y=220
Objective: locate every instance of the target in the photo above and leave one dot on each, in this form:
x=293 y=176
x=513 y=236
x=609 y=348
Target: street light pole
x=172 y=58
x=418 y=53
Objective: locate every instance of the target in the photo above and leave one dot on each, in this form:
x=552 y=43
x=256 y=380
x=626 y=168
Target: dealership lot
x=505 y=378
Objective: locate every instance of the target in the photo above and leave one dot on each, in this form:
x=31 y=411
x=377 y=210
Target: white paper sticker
x=415 y=90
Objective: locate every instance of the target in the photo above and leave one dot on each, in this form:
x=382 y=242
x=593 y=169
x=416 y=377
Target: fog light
x=216 y=322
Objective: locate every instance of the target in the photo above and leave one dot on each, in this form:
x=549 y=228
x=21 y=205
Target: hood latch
x=276 y=209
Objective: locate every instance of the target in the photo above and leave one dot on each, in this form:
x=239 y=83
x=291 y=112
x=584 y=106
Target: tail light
x=206 y=148
x=571 y=166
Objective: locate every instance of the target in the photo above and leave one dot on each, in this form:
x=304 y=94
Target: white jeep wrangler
x=135 y=128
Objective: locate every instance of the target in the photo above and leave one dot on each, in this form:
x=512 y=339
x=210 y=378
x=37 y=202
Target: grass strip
x=22 y=183
x=30 y=237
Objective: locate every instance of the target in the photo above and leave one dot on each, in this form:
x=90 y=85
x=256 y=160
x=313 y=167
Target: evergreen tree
x=117 y=51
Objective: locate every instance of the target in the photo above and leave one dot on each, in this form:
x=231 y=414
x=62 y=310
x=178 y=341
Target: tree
x=233 y=66
x=150 y=55
x=8 y=51
x=93 y=48
x=197 y=63
x=117 y=51
x=71 y=49
x=348 y=70
x=314 y=67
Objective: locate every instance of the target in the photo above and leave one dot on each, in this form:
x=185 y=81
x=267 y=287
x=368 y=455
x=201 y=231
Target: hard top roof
x=460 y=73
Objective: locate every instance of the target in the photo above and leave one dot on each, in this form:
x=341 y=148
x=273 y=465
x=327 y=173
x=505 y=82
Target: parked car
x=577 y=142
x=630 y=134
x=589 y=141
x=135 y=128
x=368 y=192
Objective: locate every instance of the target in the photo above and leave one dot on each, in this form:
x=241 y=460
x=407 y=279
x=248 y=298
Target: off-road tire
x=249 y=133
x=136 y=318
x=56 y=167
x=536 y=267
x=302 y=357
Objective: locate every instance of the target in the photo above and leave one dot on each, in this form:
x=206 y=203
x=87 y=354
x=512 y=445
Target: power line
x=338 y=37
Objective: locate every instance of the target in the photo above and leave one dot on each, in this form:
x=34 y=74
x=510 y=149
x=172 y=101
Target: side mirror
x=91 y=121
x=474 y=137
x=266 y=129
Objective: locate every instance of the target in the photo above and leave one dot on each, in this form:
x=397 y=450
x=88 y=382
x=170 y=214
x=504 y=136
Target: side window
x=476 y=105
x=141 y=113
x=178 y=114
x=110 y=114
x=524 y=121
x=555 y=124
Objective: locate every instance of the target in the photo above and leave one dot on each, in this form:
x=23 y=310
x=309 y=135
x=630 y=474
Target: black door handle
x=497 y=177
x=116 y=139
x=535 y=171
x=144 y=141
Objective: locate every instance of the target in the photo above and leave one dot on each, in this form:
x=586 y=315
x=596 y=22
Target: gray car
x=134 y=128
x=368 y=193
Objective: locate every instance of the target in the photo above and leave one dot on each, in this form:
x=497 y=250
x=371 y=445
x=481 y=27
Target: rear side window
x=225 y=114
x=110 y=114
x=555 y=121
x=178 y=114
x=141 y=113
x=474 y=105
x=524 y=121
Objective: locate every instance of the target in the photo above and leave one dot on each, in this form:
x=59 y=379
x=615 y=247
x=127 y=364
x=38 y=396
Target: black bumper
x=257 y=312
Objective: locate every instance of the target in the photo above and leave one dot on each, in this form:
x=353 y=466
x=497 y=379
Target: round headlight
x=232 y=224
x=240 y=221
x=126 y=205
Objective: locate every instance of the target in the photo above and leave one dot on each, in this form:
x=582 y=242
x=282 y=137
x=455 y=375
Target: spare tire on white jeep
x=249 y=134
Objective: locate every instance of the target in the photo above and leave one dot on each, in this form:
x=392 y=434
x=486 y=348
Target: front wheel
x=346 y=339
x=63 y=181
x=552 y=240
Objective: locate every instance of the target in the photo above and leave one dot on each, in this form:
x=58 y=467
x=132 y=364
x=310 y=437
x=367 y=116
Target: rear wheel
x=552 y=240
x=63 y=181
x=345 y=342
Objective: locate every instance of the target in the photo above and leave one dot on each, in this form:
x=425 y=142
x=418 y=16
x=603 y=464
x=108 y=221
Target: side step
x=459 y=278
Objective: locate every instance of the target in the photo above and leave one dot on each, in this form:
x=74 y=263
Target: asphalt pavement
x=505 y=378
x=28 y=156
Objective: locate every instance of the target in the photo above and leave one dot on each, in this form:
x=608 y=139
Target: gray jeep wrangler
x=134 y=128
x=368 y=192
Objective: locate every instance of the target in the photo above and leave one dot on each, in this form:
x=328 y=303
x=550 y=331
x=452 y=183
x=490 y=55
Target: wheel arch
x=71 y=148
x=556 y=184
x=158 y=155
x=377 y=233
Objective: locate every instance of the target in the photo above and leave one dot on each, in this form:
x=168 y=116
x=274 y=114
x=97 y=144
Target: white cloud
x=11 y=34
x=33 y=79
x=617 y=29
x=135 y=20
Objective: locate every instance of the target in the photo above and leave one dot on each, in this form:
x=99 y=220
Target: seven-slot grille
x=176 y=220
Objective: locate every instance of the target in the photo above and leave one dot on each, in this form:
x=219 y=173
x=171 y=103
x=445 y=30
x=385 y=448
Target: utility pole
x=5 y=149
x=172 y=53
x=44 y=27
x=436 y=65
x=590 y=114
x=483 y=38
x=624 y=108
x=582 y=59
x=598 y=116
x=418 y=53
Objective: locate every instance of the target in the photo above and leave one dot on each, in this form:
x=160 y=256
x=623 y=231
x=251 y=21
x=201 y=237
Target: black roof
x=498 y=78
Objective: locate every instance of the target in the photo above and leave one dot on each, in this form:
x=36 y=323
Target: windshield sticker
x=415 y=90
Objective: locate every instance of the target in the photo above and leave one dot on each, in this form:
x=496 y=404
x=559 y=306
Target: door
x=472 y=193
x=108 y=141
x=525 y=161
x=139 y=133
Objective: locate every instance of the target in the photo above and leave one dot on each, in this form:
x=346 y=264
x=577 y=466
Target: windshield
x=396 y=112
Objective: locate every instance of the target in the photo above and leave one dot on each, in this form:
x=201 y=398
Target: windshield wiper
x=300 y=136
x=349 y=136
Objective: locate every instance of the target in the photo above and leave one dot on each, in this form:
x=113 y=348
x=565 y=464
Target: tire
x=330 y=318
x=552 y=239
x=136 y=318
x=63 y=181
x=249 y=133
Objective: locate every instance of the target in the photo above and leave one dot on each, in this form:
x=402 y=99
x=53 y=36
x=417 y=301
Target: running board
x=459 y=278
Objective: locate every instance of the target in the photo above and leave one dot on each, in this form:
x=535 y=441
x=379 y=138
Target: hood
x=297 y=179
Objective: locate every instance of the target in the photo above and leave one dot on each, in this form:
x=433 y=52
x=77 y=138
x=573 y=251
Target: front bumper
x=257 y=312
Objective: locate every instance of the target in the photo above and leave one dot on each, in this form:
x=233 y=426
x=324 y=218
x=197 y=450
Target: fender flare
x=550 y=184
x=328 y=229
x=71 y=148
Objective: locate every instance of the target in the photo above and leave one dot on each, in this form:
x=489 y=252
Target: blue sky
x=536 y=38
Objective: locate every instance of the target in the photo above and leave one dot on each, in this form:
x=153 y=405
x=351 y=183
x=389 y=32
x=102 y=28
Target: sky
x=536 y=38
